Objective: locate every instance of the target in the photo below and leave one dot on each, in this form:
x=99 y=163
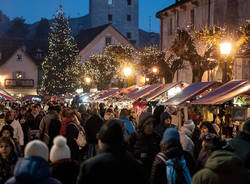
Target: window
x=129 y=18
x=108 y=41
x=192 y=17
x=110 y=17
x=129 y=2
x=0 y=55
x=110 y=2
x=170 y=31
x=128 y=35
x=19 y=75
x=19 y=57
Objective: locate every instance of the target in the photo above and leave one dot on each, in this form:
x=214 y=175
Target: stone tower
x=122 y=14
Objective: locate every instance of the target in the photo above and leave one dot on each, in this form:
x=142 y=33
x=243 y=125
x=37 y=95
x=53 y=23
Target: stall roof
x=143 y=92
x=189 y=92
x=158 y=91
x=225 y=92
x=6 y=95
x=109 y=93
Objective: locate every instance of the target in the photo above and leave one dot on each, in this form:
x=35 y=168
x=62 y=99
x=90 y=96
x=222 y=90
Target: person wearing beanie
x=186 y=132
x=62 y=167
x=34 y=167
x=113 y=164
x=241 y=144
x=145 y=142
x=180 y=165
x=165 y=123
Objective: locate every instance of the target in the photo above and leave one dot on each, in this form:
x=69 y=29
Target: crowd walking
x=52 y=143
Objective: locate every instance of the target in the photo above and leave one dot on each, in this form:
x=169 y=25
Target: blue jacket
x=128 y=125
x=32 y=170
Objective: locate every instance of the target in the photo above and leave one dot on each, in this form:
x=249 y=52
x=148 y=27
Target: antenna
x=150 y=23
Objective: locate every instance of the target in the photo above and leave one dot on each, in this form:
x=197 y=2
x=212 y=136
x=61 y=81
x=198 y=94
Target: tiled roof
x=30 y=47
x=86 y=36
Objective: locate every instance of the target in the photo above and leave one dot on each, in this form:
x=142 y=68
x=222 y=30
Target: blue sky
x=33 y=10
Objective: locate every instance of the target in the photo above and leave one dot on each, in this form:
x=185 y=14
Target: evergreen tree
x=61 y=68
x=42 y=30
x=18 y=29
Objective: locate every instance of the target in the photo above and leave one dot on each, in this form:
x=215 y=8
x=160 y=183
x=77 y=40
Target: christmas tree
x=61 y=68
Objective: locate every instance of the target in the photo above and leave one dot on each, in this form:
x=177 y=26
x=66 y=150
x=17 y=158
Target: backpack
x=81 y=138
x=170 y=169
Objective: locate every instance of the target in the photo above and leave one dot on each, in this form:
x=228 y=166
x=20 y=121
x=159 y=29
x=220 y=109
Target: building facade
x=122 y=14
x=198 y=14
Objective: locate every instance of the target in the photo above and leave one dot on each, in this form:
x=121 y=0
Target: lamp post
x=225 y=49
x=127 y=72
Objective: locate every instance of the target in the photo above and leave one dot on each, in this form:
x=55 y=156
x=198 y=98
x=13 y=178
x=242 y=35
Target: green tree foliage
x=18 y=29
x=101 y=69
x=42 y=30
x=120 y=53
x=152 y=56
x=61 y=68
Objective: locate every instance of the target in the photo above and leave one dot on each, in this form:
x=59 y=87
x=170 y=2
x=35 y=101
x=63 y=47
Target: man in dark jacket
x=114 y=164
x=166 y=122
x=241 y=144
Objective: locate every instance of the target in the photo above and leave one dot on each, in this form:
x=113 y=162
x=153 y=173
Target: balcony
x=18 y=83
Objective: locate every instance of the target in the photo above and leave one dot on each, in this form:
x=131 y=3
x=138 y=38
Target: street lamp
x=127 y=72
x=155 y=70
x=225 y=49
x=87 y=80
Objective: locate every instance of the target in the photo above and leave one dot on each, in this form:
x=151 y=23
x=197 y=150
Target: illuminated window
x=110 y=2
x=19 y=75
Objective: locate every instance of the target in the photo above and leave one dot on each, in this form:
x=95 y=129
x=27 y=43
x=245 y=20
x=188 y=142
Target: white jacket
x=18 y=131
x=186 y=141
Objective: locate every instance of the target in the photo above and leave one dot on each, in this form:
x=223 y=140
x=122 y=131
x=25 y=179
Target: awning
x=157 y=92
x=225 y=92
x=6 y=95
x=143 y=92
x=109 y=93
x=189 y=93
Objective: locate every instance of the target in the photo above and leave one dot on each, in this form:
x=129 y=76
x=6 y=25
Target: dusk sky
x=33 y=10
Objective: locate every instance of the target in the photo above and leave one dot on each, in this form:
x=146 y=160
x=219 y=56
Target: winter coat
x=129 y=128
x=92 y=127
x=160 y=129
x=32 y=170
x=241 y=146
x=18 y=132
x=144 y=148
x=222 y=167
x=34 y=122
x=71 y=135
x=186 y=141
x=112 y=166
x=7 y=168
x=66 y=171
x=45 y=124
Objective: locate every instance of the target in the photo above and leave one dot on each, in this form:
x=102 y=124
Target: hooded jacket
x=186 y=141
x=32 y=170
x=222 y=167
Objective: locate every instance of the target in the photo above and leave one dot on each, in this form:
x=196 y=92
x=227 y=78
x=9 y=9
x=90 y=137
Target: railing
x=14 y=83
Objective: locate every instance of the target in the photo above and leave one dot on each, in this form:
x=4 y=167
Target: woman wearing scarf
x=172 y=165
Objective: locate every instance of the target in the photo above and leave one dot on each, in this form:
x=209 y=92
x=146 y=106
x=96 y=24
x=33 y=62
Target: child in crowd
x=8 y=159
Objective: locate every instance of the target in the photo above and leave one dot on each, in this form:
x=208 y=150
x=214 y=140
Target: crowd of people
x=53 y=143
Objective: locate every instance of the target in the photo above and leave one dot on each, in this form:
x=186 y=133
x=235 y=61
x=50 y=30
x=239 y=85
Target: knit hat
x=189 y=124
x=246 y=127
x=37 y=148
x=9 y=128
x=165 y=115
x=111 y=132
x=60 y=149
x=170 y=134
